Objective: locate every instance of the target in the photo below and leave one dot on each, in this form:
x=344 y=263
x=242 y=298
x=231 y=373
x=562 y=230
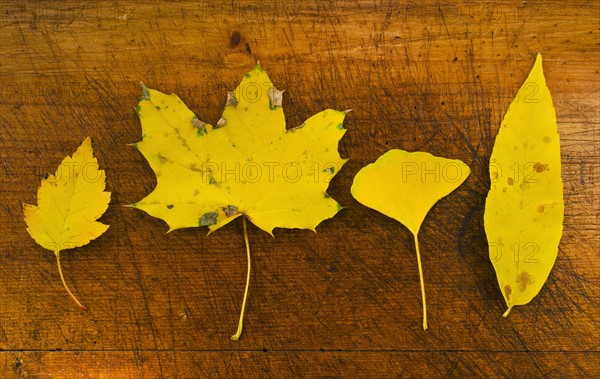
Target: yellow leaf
x=248 y=164
x=405 y=186
x=69 y=203
x=524 y=207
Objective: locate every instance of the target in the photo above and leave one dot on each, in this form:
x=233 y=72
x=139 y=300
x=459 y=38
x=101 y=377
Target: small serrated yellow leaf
x=405 y=186
x=69 y=203
x=524 y=208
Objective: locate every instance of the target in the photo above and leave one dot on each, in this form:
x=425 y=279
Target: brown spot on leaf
x=538 y=167
x=275 y=96
x=208 y=219
x=524 y=279
x=541 y=208
x=547 y=139
x=230 y=210
x=495 y=175
x=161 y=159
x=235 y=39
x=504 y=189
x=507 y=291
x=510 y=181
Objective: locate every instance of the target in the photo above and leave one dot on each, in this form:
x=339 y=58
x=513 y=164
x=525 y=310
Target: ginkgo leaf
x=247 y=165
x=524 y=208
x=405 y=186
x=69 y=203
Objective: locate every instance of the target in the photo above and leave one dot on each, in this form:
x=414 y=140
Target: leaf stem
x=507 y=312
x=62 y=278
x=237 y=334
x=422 y=283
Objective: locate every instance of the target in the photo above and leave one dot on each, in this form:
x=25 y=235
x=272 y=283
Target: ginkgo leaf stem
x=422 y=283
x=237 y=334
x=62 y=278
x=507 y=312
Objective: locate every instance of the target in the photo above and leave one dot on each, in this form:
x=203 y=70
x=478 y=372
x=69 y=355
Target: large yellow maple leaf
x=248 y=164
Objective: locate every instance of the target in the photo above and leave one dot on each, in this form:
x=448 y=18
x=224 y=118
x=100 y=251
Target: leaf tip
x=145 y=92
x=221 y=123
x=339 y=207
x=231 y=100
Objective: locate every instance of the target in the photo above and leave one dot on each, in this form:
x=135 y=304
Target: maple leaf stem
x=62 y=278
x=422 y=283
x=237 y=335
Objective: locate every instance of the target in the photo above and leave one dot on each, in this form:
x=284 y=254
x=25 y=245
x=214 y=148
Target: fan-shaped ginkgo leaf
x=405 y=186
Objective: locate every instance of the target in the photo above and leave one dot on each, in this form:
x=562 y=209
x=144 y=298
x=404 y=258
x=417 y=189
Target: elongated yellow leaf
x=524 y=207
x=69 y=203
x=405 y=186
x=247 y=165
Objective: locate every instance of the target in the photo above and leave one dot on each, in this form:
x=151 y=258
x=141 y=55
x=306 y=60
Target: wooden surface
x=344 y=302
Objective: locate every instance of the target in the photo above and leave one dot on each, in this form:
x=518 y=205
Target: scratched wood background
x=435 y=76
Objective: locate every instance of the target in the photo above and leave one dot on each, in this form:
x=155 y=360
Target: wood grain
x=434 y=76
